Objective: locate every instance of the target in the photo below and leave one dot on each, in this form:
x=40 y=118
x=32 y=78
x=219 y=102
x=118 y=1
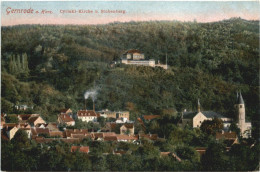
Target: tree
x=215 y=158
x=211 y=126
x=11 y=119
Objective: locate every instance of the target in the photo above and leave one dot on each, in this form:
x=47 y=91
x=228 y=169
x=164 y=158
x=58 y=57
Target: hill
x=50 y=67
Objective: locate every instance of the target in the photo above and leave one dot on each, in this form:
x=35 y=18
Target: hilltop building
x=136 y=57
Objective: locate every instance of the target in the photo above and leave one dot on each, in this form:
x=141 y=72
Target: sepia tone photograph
x=130 y=86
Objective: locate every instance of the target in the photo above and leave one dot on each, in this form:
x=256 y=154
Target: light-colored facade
x=112 y=114
x=245 y=127
x=127 y=129
x=135 y=57
x=87 y=115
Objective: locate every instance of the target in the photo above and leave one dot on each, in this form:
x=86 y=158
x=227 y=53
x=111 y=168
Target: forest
x=50 y=67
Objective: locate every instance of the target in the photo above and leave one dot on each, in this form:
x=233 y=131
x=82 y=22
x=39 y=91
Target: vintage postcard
x=130 y=86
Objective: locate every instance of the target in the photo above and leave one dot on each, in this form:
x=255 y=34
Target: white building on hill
x=136 y=57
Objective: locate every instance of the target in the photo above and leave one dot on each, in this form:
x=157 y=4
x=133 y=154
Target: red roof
x=57 y=133
x=226 y=135
x=125 y=137
x=37 y=131
x=68 y=132
x=25 y=117
x=83 y=149
x=129 y=126
x=65 y=118
x=133 y=51
x=86 y=113
x=110 y=138
x=149 y=117
x=47 y=140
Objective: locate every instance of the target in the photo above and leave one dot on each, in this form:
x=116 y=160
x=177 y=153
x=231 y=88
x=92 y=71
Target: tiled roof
x=47 y=140
x=149 y=117
x=37 y=131
x=68 y=132
x=133 y=51
x=64 y=110
x=32 y=119
x=125 y=137
x=226 y=135
x=83 y=149
x=25 y=116
x=110 y=138
x=128 y=125
x=65 y=118
x=86 y=113
x=57 y=133
x=208 y=114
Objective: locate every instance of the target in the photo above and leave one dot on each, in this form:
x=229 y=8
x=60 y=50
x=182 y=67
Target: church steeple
x=198 y=105
x=241 y=113
x=240 y=99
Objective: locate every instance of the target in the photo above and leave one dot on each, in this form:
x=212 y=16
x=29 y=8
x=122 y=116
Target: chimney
x=85 y=104
x=93 y=105
x=222 y=131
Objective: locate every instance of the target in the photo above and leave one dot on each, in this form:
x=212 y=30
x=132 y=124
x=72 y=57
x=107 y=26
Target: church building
x=195 y=119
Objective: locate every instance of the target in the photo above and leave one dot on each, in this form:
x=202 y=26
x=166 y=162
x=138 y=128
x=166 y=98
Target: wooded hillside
x=50 y=67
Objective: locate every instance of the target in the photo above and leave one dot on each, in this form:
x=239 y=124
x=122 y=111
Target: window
x=241 y=106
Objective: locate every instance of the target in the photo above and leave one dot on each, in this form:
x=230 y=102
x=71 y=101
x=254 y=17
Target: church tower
x=240 y=113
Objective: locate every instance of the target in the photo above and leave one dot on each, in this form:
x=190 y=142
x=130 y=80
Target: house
x=9 y=129
x=82 y=149
x=64 y=118
x=110 y=138
x=229 y=138
x=31 y=119
x=126 y=138
x=48 y=140
x=127 y=129
x=115 y=115
x=52 y=126
x=34 y=120
x=136 y=57
x=66 y=111
x=195 y=119
x=119 y=128
x=69 y=132
x=56 y=134
x=133 y=55
x=35 y=132
x=87 y=115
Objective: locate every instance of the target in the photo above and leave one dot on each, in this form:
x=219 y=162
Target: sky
x=12 y=13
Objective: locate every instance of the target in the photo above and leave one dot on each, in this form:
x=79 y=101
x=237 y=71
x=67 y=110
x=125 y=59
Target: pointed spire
x=198 y=105
x=240 y=99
